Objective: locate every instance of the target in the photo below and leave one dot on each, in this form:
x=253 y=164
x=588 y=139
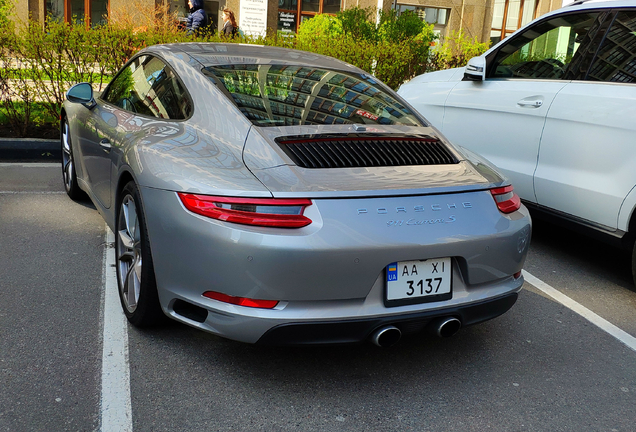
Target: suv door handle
x=536 y=103
x=105 y=145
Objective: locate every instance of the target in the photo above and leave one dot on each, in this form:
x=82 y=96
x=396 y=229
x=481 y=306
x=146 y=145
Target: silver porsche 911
x=275 y=196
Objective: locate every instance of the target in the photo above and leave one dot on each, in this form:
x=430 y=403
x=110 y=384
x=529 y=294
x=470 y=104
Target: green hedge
x=39 y=64
x=455 y=51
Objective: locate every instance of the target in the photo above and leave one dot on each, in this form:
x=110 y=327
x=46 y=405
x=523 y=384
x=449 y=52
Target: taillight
x=268 y=212
x=507 y=201
x=241 y=301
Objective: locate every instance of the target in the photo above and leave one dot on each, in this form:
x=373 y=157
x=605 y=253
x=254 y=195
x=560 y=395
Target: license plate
x=418 y=281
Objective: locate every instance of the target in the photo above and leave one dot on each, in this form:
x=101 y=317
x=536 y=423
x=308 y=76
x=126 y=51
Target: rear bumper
x=332 y=273
x=353 y=331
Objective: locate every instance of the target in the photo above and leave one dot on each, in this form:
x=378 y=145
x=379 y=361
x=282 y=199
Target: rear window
x=282 y=95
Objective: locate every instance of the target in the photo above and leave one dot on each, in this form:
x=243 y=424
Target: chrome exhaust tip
x=445 y=327
x=386 y=336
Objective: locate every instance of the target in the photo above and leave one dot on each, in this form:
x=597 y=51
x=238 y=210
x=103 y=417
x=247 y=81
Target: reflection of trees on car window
x=121 y=88
x=147 y=86
x=546 y=50
x=124 y=91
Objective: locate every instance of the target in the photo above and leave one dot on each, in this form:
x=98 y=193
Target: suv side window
x=552 y=49
x=616 y=59
x=148 y=86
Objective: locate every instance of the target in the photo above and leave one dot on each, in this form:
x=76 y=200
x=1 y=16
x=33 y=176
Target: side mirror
x=475 y=69
x=81 y=93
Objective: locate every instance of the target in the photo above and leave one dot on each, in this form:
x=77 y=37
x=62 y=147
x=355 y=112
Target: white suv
x=554 y=107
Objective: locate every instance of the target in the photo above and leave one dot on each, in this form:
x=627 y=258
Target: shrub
x=55 y=58
x=16 y=95
x=52 y=60
x=358 y=23
x=396 y=28
x=394 y=51
x=317 y=28
x=399 y=62
x=455 y=51
x=6 y=8
x=359 y=53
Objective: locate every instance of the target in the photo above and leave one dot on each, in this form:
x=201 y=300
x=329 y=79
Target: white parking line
x=32 y=192
x=31 y=164
x=116 y=409
x=566 y=301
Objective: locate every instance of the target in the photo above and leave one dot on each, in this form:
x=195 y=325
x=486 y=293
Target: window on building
x=55 y=9
x=93 y=12
x=510 y=15
x=291 y=13
x=436 y=16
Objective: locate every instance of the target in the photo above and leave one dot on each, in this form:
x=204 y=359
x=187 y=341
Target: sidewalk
x=30 y=150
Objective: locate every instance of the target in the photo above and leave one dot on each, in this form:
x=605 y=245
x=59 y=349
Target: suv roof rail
x=580 y=2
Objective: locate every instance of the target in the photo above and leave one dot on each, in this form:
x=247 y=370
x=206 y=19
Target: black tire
x=135 y=271
x=69 y=176
x=634 y=264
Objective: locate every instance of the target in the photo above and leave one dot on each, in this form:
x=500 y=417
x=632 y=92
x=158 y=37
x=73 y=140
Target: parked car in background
x=281 y=197
x=553 y=107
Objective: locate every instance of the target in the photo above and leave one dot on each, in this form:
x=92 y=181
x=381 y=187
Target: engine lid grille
x=365 y=151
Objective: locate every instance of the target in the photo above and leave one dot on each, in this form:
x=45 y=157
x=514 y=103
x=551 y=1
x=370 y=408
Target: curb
x=30 y=149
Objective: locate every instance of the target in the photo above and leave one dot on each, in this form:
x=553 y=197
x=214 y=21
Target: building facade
x=483 y=19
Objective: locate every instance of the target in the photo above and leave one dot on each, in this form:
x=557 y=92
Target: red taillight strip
x=212 y=207
x=241 y=301
x=507 y=201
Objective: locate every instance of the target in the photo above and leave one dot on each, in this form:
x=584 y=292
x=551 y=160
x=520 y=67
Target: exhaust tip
x=386 y=336
x=445 y=327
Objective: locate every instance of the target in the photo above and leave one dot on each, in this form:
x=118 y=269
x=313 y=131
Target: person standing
x=230 y=28
x=198 y=21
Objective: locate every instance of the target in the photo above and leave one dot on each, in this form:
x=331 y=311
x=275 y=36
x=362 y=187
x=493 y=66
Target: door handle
x=530 y=103
x=105 y=145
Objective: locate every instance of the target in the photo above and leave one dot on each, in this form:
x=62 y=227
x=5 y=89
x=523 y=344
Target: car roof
x=596 y=4
x=578 y=5
x=214 y=54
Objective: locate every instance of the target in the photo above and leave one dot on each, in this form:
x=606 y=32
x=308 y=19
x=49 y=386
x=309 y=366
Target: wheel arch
x=627 y=217
x=124 y=178
x=631 y=230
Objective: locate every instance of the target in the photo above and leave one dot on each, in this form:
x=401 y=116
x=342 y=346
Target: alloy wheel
x=128 y=250
x=67 y=158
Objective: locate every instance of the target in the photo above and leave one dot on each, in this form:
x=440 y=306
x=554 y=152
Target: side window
x=148 y=86
x=121 y=91
x=616 y=60
x=552 y=49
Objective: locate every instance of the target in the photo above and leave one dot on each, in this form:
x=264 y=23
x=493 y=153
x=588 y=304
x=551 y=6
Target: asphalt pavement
x=541 y=366
x=50 y=302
